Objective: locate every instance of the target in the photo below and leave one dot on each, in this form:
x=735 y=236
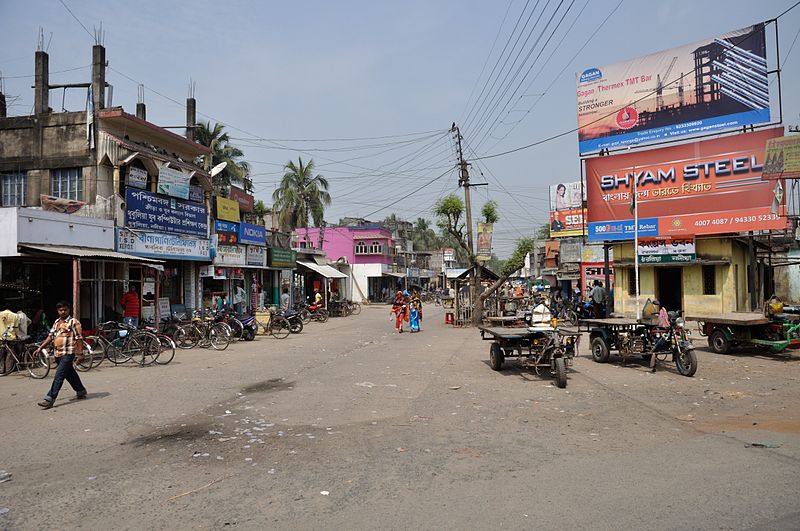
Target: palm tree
x=425 y=238
x=300 y=195
x=237 y=171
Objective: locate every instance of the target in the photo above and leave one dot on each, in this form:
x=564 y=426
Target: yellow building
x=715 y=283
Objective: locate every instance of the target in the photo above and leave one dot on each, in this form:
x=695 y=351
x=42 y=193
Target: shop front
x=314 y=274
x=281 y=264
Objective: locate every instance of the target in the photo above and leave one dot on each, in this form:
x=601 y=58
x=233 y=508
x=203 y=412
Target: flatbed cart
x=726 y=331
x=540 y=347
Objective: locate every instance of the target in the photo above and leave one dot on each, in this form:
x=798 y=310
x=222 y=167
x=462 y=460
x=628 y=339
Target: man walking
x=130 y=307
x=66 y=336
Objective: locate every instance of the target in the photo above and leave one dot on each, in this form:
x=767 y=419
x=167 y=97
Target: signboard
x=666 y=250
x=782 y=158
x=252 y=234
x=449 y=254
x=147 y=211
x=281 y=258
x=708 y=187
x=567 y=215
x=591 y=271
x=137 y=177
x=164 y=308
x=712 y=85
x=227 y=232
x=207 y=271
x=256 y=256
x=484 y=241
x=173 y=182
x=196 y=193
x=164 y=246
x=230 y=255
x=227 y=209
x=244 y=199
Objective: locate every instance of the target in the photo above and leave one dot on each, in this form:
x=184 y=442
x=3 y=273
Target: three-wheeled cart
x=726 y=331
x=540 y=347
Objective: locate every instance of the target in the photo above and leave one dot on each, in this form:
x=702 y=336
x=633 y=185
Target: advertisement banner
x=256 y=256
x=230 y=255
x=227 y=209
x=567 y=215
x=164 y=246
x=137 y=177
x=782 y=158
x=712 y=85
x=666 y=250
x=227 y=232
x=484 y=241
x=591 y=271
x=281 y=258
x=148 y=211
x=173 y=182
x=195 y=193
x=252 y=234
x=244 y=199
x=708 y=187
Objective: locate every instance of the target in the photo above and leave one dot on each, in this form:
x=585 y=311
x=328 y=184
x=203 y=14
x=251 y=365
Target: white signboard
x=256 y=256
x=137 y=177
x=165 y=246
x=230 y=255
x=666 y=250
x=173 y=182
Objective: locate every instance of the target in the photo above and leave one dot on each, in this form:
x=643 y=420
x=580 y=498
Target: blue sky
x=276 y=72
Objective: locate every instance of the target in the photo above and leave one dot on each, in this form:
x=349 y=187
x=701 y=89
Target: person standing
x=400 y=311
x=130 y=307
x=598 y=296
x=239 y=296
x=285 y=299
x=67 y=338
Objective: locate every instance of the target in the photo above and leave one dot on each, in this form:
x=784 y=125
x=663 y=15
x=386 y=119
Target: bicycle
x=355 y=308
x=204 y=332
x=119 y=344
x=36 y=363
x=277 y=326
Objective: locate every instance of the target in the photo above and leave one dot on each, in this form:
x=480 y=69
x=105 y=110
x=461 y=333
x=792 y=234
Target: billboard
x=708 y=187
x=485 y=241
x=567 y=214
x=782 y=158
x=712 y=85
x=173 y=182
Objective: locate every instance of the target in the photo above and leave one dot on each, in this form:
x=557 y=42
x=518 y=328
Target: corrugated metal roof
x=89 y=252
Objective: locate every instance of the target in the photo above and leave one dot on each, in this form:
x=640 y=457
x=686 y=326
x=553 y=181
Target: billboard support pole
x=607 y=272
x=751 y=272
x=636 y=242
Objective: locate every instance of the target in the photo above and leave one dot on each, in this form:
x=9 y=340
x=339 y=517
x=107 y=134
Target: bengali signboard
x=252 y=234
x=230 y=255
x=782 y=158
x=567 y=215
x=227 y=209
x=164 y=246
x=173 y=182
x=708 y=187
x=196 y=193
x=666 y=250
x=449 y=254
x=137 y=177
x=244 y=199
x=256 y=256
x=227 y=232
x=148 y=211
x=281 y=258
x=485 y=241
x=712 y=85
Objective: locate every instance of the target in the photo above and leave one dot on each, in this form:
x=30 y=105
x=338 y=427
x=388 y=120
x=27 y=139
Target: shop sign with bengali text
x=782 y=158
x=137 y=177
x=567 y=215
x=196 y=194
x=256 y=256
x=227 y=209
x=173 y=182
x=230 y=255
x=244 y=199
x=281 y=258
x=227 y=232
x=714 y=85
x=449 y=254
x=252 y=234
x=705 y=187
x=162 y=246
x=148 y=211
x=666 y=250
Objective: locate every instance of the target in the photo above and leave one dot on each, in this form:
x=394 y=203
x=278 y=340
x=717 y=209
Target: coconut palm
x=237 y=171
x=300 y=196
x=425 y=238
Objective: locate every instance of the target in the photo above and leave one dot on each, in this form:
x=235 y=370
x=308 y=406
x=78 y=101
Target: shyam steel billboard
x=713 y=85
x=706 y=187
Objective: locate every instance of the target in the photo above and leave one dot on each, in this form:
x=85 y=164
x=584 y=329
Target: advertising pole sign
x=227 y=209
x=148 y=211
x=782 y=158
x=245 y=200
x=708 y=187
x=567 y=215
x=708 y=86
x=252 y=234
x=485 y=241
x=666 y=250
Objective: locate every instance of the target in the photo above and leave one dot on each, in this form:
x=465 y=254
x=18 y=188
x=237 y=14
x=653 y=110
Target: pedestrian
x=67 y=339
x=598 y=296
x=400 y=311
x=285 y=299
x=130 y=307
x=239 y=296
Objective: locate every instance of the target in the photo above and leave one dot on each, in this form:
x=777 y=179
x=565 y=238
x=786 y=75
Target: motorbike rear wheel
x=686 y=362
x=321 y=315
x=295 y=325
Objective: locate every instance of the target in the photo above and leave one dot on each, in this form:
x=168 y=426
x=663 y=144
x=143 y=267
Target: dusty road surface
x=349 y=426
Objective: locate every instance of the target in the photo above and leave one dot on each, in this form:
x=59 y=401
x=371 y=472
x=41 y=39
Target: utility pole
x=463 y=180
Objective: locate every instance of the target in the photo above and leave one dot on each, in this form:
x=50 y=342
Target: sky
x=369 y=90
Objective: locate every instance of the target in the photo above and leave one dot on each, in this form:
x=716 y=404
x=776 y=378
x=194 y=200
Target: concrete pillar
x=41 y=93
x=141 y=111
x=3 y=107
x=99 y=76
x=191 y=117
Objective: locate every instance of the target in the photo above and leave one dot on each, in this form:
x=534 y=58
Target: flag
x=90 y=118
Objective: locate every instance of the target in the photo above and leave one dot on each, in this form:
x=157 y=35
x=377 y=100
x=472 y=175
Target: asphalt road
x=350 y=426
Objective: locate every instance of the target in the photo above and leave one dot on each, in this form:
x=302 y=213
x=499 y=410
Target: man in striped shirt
x=67 y=339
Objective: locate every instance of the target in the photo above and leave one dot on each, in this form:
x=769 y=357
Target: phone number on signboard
x=743 y=219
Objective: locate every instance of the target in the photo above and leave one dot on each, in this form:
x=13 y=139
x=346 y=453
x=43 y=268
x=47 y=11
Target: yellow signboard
x=227 y=209
x=782 y=158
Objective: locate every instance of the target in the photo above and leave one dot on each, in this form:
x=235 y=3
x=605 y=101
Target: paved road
x=349 y=426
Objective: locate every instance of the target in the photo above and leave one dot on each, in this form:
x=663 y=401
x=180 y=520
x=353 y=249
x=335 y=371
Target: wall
x=339 y=243
x=8 y=220
x=53 y=228
x=361 y=272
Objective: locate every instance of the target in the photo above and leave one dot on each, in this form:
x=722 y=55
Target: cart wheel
x=600 y=350
x=686 y=361
x=496 y=357
x=561 y=373
x=718 y=342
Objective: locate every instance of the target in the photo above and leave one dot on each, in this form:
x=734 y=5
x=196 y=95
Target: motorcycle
x=313 y=311
x=249 y=327
x=675 y=341
x=295 y=320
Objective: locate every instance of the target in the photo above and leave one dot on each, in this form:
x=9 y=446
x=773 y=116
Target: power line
x=410 y=193
x=77 y=19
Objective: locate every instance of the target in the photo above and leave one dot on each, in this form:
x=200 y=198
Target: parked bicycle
x=277 y=326
x=204 y=332
x=36 y=365
x=120 y=343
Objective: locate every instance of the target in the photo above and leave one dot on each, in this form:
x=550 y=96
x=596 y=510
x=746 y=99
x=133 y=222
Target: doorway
x=669 y=287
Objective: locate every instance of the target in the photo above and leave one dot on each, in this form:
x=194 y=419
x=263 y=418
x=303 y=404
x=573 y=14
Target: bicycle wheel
x=37 y=363
x=321 y=315
x=87 y=358
x=98 y=347
x=150 y=347
x=219 y=336
x=236 y=328
x=355 y=308
x=186 y=336
x=305 y=315
x=167 y=349
x=119 y=351
x=280 y=327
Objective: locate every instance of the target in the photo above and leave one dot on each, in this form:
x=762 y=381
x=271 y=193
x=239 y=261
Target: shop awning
x=88 y=252
x=324 y=270
x=393 y=274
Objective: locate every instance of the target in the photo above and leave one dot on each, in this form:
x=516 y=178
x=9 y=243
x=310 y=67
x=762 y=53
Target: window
x=12 y=190
x=361 y=248
x=376 y=248
x=631 y=282
x=709 y=280
x=66 y=183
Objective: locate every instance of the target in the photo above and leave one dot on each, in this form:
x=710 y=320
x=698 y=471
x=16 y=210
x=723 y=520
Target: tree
x=301 y=195
x=543 y=232
x=236 y=171
x=425 y=238
x=489 y=212
x=261 y=211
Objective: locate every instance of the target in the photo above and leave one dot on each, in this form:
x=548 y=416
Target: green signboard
x=282 y=258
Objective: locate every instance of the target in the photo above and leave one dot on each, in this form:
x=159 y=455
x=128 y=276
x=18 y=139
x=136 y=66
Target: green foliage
x=489 y=212
x=517 y=258
x=450 y=212
x=237 y=171
x=301 y=196
x=495 y=264
x=424 y=238
x=543 y=232
x=261 y=211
